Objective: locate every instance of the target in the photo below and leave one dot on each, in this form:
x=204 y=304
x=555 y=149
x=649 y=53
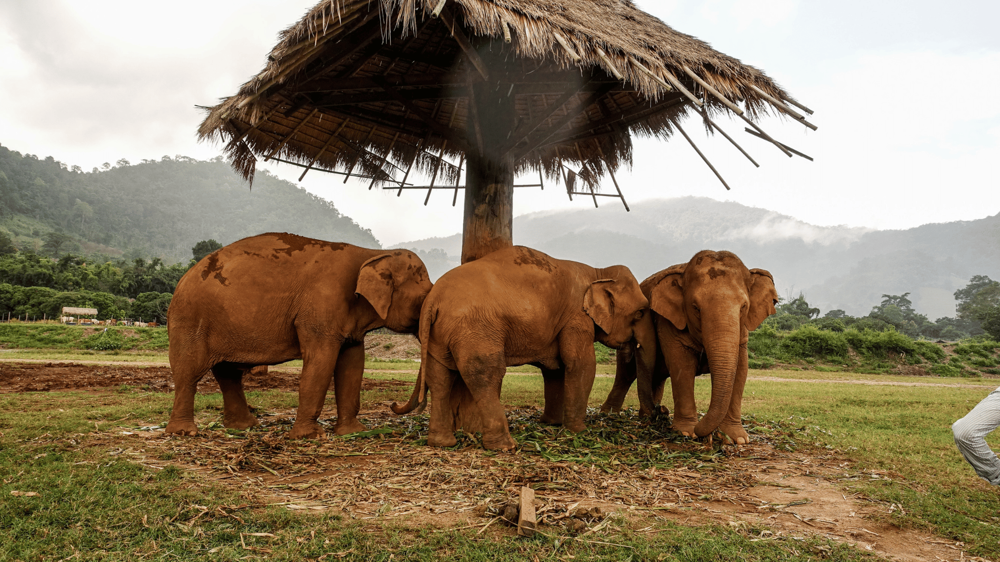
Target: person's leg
x=970 y=433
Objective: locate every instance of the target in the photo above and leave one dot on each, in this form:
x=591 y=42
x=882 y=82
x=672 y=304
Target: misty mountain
x=835 y=267
x=157 y=208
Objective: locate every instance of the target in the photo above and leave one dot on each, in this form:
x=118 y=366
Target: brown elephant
x=276 y=297
x=703 y=312
x=518 y=306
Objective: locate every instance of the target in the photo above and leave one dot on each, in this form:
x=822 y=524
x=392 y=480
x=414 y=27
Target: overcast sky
x=905 y=96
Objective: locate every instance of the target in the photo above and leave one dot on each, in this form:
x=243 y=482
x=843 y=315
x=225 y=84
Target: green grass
x=96 y=501
x=54 y=336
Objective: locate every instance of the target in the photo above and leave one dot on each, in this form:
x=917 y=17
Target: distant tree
x=77 y=169
x=203 y=248
x=979 y=296
x=7 y=246
x=106 y=166
x=798 y=307
x=990 y=320
x=83 y=210
x=54 y=241
x=835 y=313
x=122 y=163
x=898 y=311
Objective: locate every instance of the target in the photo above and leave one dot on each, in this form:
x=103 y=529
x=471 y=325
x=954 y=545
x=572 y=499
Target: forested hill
x=835 y=267
x=156 y=208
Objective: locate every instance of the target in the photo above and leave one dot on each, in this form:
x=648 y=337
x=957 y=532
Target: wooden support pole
x=714 y=92
x=695 y=147
x=791 y=112
x=612 y=174
x=766 y=136
x=799 y=105
x=420 y=148
x=359 y=154
x=463 y=42
x=607 y=62
x=788 y=148
x=437 y=167
x=704 y=113
x=325 y=146
x=458 y=180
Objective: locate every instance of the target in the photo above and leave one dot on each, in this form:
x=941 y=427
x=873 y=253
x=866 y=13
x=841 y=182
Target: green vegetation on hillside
x=153 y=209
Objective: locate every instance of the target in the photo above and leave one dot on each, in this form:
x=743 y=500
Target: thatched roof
x=79 y=311
x=372 y=88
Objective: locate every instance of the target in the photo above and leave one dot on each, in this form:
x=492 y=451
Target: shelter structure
x=499 y=88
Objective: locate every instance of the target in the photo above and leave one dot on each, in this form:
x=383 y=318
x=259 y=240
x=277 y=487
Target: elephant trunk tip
x=410 y=407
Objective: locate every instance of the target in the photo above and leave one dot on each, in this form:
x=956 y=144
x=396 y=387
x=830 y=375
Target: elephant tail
x=418 y=399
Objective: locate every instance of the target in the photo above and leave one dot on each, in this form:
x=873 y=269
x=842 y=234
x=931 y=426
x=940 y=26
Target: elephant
x=275 y=297
x=517 y=306
x=701 y=316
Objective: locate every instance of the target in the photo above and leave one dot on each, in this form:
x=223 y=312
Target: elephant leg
x=483 y=376
x=347 y=377
x=682 y=365
x=732 y=424
x=660 y=375
x=555 y=396
x=625 y=374
x=235 y=410
x=578 y=355
x=317 y=370
x=186 y=374
x=440 y=380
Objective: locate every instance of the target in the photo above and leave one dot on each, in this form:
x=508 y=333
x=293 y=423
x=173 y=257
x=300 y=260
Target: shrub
x=808 y=341
x=928 y=351
x=946 y=371
x=764 y=342
x=873 y=344
x=105 y=341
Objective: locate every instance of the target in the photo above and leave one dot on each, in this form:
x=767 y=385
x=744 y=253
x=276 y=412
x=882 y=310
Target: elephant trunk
x=722 y=352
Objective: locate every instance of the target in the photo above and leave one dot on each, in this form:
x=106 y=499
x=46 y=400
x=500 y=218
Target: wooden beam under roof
x=446 y=132
x=534 y=141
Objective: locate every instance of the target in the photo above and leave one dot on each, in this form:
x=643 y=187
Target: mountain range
x=834 y=267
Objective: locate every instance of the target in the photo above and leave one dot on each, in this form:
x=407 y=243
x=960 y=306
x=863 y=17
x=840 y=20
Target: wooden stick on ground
x=526 y=518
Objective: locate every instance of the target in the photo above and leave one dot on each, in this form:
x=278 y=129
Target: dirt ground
x=757 y=489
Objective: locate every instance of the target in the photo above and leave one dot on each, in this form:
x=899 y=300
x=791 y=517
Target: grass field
x=78 y=480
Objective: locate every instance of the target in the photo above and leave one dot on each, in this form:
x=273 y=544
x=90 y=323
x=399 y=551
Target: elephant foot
x=658 y=412
x=306 y=431
x=503 y=443
x=348 y=427
x=240 y=422
x=736 y=433
x=551 y=419
x=445 y=440
x=575 y=426
x=610 y=409
x=181 y=428
x=685 y=428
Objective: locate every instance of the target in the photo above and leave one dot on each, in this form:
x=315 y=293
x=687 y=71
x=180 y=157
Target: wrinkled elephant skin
x=702 y=313
x=518 y=306
x=276 y=297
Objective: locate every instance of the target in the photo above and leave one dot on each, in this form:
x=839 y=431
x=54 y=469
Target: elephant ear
x=599 y=303
x=375 y=284
x=667 y=300
x=763 y=297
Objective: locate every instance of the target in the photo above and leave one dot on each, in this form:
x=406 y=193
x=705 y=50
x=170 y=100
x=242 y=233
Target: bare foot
x=685 y=428
x=348 y=427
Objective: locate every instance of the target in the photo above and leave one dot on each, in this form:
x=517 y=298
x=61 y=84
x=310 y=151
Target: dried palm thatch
x=376 y=89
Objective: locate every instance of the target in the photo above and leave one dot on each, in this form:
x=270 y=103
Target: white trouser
x=970 y=433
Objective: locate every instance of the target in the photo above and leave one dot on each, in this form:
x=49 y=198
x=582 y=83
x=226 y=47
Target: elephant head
x=717 y=300
x=616 y=304
x=395 y=284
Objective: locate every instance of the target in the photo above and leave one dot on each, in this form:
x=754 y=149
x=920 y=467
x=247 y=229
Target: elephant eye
x=639 y=314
